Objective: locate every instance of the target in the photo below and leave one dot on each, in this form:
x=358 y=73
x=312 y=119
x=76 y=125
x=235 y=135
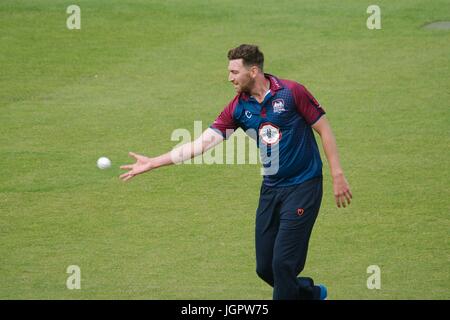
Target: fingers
x=348 y=196
x=344 y=204
x=338 y=202
x=343 y=199
x=133 y=155
x=342 y=194
x=122 y=176
x=126 y=176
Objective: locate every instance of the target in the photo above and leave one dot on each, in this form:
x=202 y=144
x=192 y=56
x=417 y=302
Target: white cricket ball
x=103 y=163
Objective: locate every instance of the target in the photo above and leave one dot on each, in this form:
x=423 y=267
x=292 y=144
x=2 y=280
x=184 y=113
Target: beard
x=246 y=86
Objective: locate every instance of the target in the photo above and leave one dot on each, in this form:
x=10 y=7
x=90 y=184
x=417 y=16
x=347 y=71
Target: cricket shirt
x=281 y=125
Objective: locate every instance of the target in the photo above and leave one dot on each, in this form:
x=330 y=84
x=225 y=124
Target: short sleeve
x=225 y=122
x=308 y=107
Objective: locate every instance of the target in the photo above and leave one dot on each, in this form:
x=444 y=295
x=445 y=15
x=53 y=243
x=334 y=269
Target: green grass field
x=137 y=70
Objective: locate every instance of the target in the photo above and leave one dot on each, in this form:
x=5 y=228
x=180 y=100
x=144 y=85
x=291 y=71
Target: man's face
x=242 y=78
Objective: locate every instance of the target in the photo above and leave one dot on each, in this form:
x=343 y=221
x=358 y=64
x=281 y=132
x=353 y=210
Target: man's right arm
x=207 y=140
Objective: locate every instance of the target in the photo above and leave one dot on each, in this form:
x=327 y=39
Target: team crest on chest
x=269 y=133
x=278 y=106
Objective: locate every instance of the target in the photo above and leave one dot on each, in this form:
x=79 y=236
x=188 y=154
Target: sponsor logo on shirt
x=269 y=133
x=278 y=105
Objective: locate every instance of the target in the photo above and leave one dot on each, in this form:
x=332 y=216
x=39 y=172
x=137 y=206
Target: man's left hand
x=342 y=193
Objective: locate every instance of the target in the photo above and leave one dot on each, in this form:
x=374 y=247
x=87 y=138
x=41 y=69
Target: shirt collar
x=275 y=83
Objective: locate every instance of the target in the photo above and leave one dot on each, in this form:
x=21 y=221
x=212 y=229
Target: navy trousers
x=284 y=220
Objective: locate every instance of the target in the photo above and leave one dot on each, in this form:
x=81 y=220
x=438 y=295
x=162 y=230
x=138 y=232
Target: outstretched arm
x=341 y=188
x=207 y=140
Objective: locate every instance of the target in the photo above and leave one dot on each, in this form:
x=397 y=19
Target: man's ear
x=254 y=71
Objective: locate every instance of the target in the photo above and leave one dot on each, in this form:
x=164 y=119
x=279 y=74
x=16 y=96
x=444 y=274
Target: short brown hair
x=250 y=54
